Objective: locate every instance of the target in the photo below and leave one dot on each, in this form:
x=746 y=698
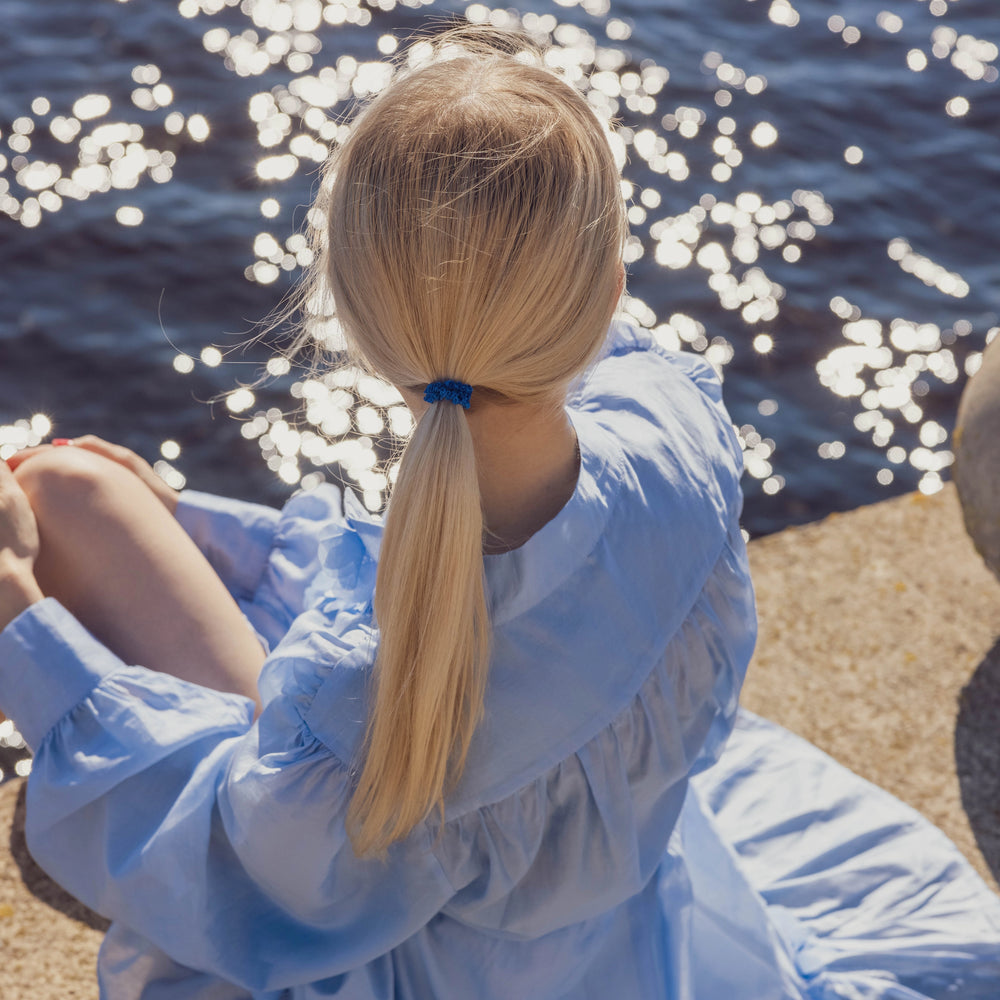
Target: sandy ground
x=879 y=642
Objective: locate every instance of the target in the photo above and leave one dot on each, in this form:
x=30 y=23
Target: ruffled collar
x=348 y=549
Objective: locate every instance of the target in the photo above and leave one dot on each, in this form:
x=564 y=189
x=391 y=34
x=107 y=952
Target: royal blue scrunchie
x=449 y=389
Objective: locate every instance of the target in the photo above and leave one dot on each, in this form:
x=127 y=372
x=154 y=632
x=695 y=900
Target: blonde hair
x=475 y=232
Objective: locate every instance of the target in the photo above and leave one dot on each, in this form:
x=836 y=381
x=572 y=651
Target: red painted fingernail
x=59 y=442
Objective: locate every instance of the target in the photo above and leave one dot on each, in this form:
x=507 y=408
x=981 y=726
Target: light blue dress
x=621 y=831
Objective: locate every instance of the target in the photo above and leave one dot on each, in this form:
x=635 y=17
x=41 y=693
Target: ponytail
x=475 y=231
x=430 y=606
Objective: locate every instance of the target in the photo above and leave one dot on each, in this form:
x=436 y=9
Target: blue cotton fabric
x=621 y=829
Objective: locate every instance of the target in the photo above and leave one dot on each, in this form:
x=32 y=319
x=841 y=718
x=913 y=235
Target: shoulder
x=662 y=412
x=680 y=495
x=625 y=340
x=650 y=395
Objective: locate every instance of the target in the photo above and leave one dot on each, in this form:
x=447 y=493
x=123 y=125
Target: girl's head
x=475 y=233
x=476 y=225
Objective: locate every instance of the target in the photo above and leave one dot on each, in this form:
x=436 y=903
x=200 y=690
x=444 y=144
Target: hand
x=18 y=549
x=117 y=453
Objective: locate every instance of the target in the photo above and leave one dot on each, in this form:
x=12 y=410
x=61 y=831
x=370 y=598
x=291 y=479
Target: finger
x=134 y=463
x=91 y=442
x=25 y=453
x=116 y=452
x=8 y=484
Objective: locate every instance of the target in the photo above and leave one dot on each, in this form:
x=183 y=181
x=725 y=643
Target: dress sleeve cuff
x=234 y=535
x=48 y=664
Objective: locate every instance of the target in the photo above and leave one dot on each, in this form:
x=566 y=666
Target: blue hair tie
x=449 y=389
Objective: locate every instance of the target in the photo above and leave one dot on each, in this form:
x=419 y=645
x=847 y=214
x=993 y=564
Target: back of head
x=475 y=233
x=476 y=226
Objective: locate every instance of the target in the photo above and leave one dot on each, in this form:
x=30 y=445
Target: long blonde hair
x=475 y=232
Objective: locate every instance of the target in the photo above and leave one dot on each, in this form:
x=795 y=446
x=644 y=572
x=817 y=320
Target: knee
x=61 y=481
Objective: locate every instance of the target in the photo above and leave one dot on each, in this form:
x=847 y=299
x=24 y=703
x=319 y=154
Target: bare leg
x=113 y=556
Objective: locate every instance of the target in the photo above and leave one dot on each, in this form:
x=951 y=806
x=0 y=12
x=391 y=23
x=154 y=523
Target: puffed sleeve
x=160 y=804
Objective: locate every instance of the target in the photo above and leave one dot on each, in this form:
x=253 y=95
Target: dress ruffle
x=868 y=898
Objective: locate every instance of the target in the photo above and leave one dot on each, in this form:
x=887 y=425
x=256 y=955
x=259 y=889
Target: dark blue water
x=844 y=295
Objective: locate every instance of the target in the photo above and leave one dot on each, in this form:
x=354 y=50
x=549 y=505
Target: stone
x=976 y=444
